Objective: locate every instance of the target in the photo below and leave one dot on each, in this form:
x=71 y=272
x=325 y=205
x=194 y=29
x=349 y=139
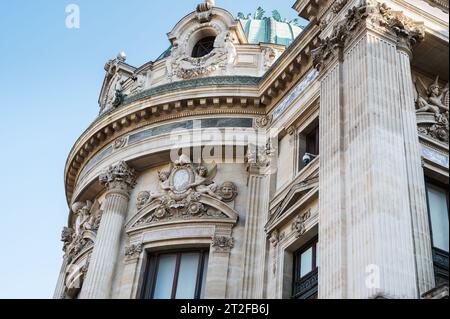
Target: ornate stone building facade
x=256 y=158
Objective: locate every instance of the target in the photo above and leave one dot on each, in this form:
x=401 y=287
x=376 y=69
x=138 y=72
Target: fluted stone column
x=416 y=184
x=372 y=234
x=60 y=285
x=119 y=180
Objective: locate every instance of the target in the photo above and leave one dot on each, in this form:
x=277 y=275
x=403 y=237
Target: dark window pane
x=203 y=47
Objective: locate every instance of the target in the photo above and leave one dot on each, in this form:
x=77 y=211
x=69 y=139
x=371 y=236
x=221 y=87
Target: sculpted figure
x=67 y=236
x=164 y=181
x=82 y=211
x=203 y=185
x=433 y=102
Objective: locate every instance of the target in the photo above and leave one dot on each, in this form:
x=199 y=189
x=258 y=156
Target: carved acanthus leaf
x=119 y=176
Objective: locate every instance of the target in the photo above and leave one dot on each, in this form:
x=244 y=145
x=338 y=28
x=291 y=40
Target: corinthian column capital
x=368 y=14
x=119 y=177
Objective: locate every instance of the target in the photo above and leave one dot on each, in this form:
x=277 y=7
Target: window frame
x=151 y=271
x=296 y=279
x=304 y=142
x=441 y=186
x=200 y=49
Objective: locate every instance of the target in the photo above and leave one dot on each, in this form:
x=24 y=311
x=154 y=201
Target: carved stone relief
x=222 y=244
x=181 y=189
x=133 y=251
x=82 y=234
x=298 y=227
x=269 y=56
x=263 y=121
x=78 y=239
x=432 y=100
x=182 y=66
x=227 y=191
x=260 y=156
x=120 y=143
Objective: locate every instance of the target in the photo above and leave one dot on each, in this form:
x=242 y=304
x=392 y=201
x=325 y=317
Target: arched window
x=203 y=47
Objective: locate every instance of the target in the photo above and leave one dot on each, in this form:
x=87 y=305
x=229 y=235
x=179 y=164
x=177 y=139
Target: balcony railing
x=440 y=261
x=307 y=286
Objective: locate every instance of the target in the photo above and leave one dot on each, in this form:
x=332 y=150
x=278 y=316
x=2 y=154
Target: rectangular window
x=176 y=275
x=438 y=210
x=308 y=147
x=305 y=271
x=312 y=141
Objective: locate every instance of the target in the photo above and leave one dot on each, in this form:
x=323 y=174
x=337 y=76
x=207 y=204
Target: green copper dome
x=274 y=29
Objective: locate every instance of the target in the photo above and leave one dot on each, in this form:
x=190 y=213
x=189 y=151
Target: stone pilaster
x=255 y=243
x=119 y=180
x=372 y=218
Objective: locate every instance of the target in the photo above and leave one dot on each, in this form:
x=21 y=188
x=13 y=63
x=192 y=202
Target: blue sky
x=50 y=78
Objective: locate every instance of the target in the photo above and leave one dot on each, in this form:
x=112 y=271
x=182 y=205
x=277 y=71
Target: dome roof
x=274 y=29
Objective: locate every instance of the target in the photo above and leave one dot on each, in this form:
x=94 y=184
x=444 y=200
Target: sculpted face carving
x=142 y=199
x=202 y=171
x=228 y=191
